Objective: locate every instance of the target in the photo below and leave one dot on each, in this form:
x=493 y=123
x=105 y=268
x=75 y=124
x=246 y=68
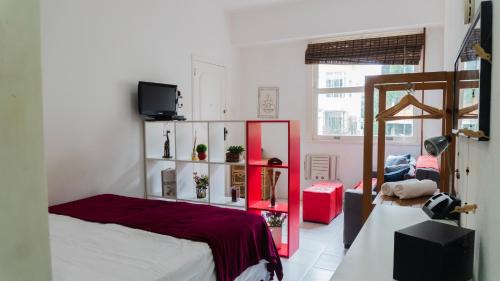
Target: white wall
x=282 y=65
x=24 y=234
x=481 y=186
x=321 y=18
x=94 y=52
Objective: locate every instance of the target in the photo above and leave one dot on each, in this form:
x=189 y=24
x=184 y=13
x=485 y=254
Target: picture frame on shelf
x=169 y=183
x=268 y=102
x=238 y=178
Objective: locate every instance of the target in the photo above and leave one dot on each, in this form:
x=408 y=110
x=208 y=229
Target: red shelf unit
x=290 y=206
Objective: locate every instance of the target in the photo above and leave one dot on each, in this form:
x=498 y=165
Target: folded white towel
x=388 y=187
x=414 y=189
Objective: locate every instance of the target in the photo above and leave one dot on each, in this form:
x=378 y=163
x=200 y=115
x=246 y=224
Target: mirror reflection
x=467 y=69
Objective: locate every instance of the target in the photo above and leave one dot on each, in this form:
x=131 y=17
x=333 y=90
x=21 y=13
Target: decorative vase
x=235 y=194
x=276 y=233
x=273 y=176
x=166 y=146
x=201 y=193
x=233 y=157
x=194 y=157
x=273 y=196
x=202 y=156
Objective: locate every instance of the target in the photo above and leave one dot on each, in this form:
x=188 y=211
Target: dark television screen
x=157 y=99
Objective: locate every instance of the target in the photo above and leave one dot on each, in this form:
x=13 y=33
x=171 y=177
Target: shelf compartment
x=194 y=200
x=262 y=143
x=192 y=161
x=241 y=163
x=186 y=189
x=227 y=202
x=184 y=136
x=265 y=205
x=263 y=163
x=220 y=186
x=283 y=252
x=154 y=177
x=155 y=138
x=160 y=159
x=169 y=198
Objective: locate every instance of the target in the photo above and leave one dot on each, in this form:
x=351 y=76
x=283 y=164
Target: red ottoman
x=339 y=193
x=321 y=202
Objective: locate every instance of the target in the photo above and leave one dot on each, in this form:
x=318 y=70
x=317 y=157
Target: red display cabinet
x=291 y=205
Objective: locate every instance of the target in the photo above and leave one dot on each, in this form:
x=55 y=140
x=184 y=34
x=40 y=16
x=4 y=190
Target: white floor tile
x=318 y=274
x=329 y=262
x=304 y=257
x=320 y=252
x=294 y=271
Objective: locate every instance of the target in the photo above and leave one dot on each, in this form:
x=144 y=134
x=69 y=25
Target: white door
x=209 y=100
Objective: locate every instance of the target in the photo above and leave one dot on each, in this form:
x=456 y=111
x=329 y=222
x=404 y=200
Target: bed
x=109 y=237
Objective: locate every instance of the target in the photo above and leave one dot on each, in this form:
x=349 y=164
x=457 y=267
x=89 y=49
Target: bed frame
x=442 y=81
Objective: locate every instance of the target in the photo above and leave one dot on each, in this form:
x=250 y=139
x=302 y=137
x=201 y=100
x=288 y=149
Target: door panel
x=209 y=102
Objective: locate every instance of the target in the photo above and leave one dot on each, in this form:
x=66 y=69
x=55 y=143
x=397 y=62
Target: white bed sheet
x=90 y=251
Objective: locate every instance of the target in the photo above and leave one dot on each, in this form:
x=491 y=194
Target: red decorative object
x=202 y=156
x=255 y=163
x=359 y=185
x=428 y=161
x=339 y=193
x=323 y=201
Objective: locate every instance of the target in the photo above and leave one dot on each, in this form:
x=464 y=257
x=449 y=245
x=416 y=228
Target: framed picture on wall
x=268 y=102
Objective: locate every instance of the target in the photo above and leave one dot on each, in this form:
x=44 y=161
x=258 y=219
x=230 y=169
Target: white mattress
x=90 y=251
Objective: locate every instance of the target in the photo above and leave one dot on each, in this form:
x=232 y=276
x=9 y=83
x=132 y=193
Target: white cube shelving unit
x=211 y=133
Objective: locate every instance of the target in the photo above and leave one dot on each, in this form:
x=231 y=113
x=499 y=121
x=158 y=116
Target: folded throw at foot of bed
x=237 y=239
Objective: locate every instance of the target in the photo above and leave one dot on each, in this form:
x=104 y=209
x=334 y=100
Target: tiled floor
x=321 y=251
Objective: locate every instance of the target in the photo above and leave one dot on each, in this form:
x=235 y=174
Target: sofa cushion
x=397 y=160
x=428 y=161
x=395 y=168
x=398 y=175
x=359 y=185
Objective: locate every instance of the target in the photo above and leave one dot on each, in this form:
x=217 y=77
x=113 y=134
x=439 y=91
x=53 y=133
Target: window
x=339 y=101
x=333 y=121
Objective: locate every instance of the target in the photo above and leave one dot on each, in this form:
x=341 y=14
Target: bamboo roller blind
x=399 y=50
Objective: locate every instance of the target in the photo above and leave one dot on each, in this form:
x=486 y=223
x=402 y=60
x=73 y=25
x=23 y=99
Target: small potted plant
x=234 y=153
x=275 y=222
x=201 y=185
x=202 y=151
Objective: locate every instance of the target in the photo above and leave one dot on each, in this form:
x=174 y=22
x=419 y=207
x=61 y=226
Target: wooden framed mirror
x=473 y=75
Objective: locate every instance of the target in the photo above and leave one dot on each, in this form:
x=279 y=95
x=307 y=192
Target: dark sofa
x=426 y=168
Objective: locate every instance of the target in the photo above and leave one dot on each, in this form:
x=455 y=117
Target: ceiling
x=236 y=5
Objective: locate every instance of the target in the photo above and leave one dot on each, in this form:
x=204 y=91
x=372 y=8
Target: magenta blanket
x=237 y=239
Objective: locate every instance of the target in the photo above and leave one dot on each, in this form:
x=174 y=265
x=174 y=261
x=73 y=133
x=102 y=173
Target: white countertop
x=370 y=257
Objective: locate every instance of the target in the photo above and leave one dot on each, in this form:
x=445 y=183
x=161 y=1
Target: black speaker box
x=433 y=251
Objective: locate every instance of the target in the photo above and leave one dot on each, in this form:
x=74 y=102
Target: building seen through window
x=339 y=96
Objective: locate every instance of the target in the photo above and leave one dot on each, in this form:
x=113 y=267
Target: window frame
x=315 y=91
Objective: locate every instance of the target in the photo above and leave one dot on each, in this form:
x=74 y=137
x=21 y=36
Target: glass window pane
x=399 y=128
x=340 y=114
x=338 y=76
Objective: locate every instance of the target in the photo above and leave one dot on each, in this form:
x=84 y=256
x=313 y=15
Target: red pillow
x=428 y=161
x=359 y=185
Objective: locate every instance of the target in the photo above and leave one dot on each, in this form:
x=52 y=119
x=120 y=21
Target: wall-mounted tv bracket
x=179 y=96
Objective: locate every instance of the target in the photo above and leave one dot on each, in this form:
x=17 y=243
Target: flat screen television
x=157 y=101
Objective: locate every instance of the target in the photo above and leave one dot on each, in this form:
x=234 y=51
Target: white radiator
x=320 y=167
